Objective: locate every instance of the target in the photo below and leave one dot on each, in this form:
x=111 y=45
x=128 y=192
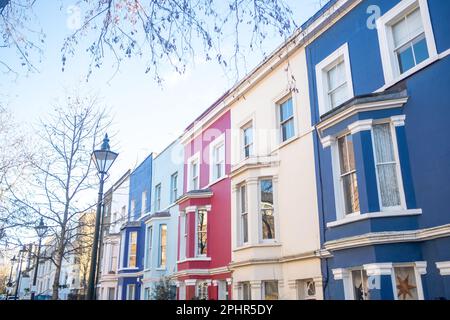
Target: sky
x=147 y=116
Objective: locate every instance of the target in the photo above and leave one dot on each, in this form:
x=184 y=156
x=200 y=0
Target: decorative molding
x=190 y=282
x=190 y=209
x=340 y=274
x=360 y=125
x=327 y=141
x=229 y=281
x=421 y=267
x=374 y=238
x=398 y=121
x=378 y=269
x=444 y=268
x=364 y=107
x=374 y=215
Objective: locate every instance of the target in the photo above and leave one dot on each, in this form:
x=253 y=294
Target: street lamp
x=103 y=159
x=19 y=271
x=41 y=229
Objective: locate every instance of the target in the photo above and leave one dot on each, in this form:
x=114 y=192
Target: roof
x=304 y=26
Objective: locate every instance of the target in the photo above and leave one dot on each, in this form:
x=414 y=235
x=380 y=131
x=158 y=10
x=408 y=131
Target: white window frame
x=322 y=68
x=302 y=290
x=143 y=202
x=129 y=249
x=148 y=260
x=132 y=208
x=194 y=159
x=160 y=262
x=337 y=180
x=242 y=213
x=219 y=141
x=157 y=203
x=391 y=68
x=133 y=295
x=196 y=233
x=278 y=104
x=182 y=291
x=401 y=190
x=418 y=279
x=242 y=289
x=248 y=125
x=174 y=187
x=260 y=233
x=263 y=288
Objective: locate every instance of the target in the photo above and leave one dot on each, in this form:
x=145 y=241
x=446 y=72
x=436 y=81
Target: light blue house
x=161 y=224
x=379 y=79
x=131 y=264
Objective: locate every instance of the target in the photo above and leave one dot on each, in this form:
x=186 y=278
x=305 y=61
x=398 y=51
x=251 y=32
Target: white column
x=253 y=211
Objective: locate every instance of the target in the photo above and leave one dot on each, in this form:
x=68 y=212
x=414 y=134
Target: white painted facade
x=291 y=257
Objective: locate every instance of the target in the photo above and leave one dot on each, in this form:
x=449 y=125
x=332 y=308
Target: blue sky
x=147 y=117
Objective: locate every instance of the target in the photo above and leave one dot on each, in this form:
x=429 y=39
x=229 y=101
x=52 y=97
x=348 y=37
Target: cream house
x=275 y=227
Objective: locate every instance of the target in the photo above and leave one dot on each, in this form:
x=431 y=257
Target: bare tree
x=18 y=32
x=58 y=190
x=16 y=156
x=165 y=33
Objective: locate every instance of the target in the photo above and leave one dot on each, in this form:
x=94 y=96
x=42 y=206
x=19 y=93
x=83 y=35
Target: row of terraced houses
x=323 y=174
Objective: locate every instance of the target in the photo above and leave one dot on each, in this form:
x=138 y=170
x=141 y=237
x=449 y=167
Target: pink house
x=204 y=237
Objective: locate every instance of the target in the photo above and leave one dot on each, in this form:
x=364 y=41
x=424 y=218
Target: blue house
x=161 y=224
x=379 y=79
x=131 y=263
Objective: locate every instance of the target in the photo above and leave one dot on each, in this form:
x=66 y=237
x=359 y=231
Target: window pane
x=339 y=96
x=415 y=25
x=270 y=290
x=286 y=110
x=360 y=285
x=287 y=130
x=386 y=166
x=248 y=135
x=243 y=199
x=384 y=150
x=400 y=32
x=406 y=59
x=246 y=291
x=351 y=196
x=163 y=241
x=421 y=50
x=245 y=228
x=267 y=214
x=406 y=285
x=389 y=192
x=202 y=224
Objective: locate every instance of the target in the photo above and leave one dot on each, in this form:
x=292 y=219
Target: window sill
x=285 y=143
x=129 y=269
x=413 y=70
x=194 y=259
x=374 y=215
x=216 y=181
x=161 y=269
x=258 y=245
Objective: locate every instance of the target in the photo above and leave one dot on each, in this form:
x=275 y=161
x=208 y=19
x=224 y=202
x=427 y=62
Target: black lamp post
x=41 y=229
x=103 y=159
x=19 y=271
x=9 y=284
